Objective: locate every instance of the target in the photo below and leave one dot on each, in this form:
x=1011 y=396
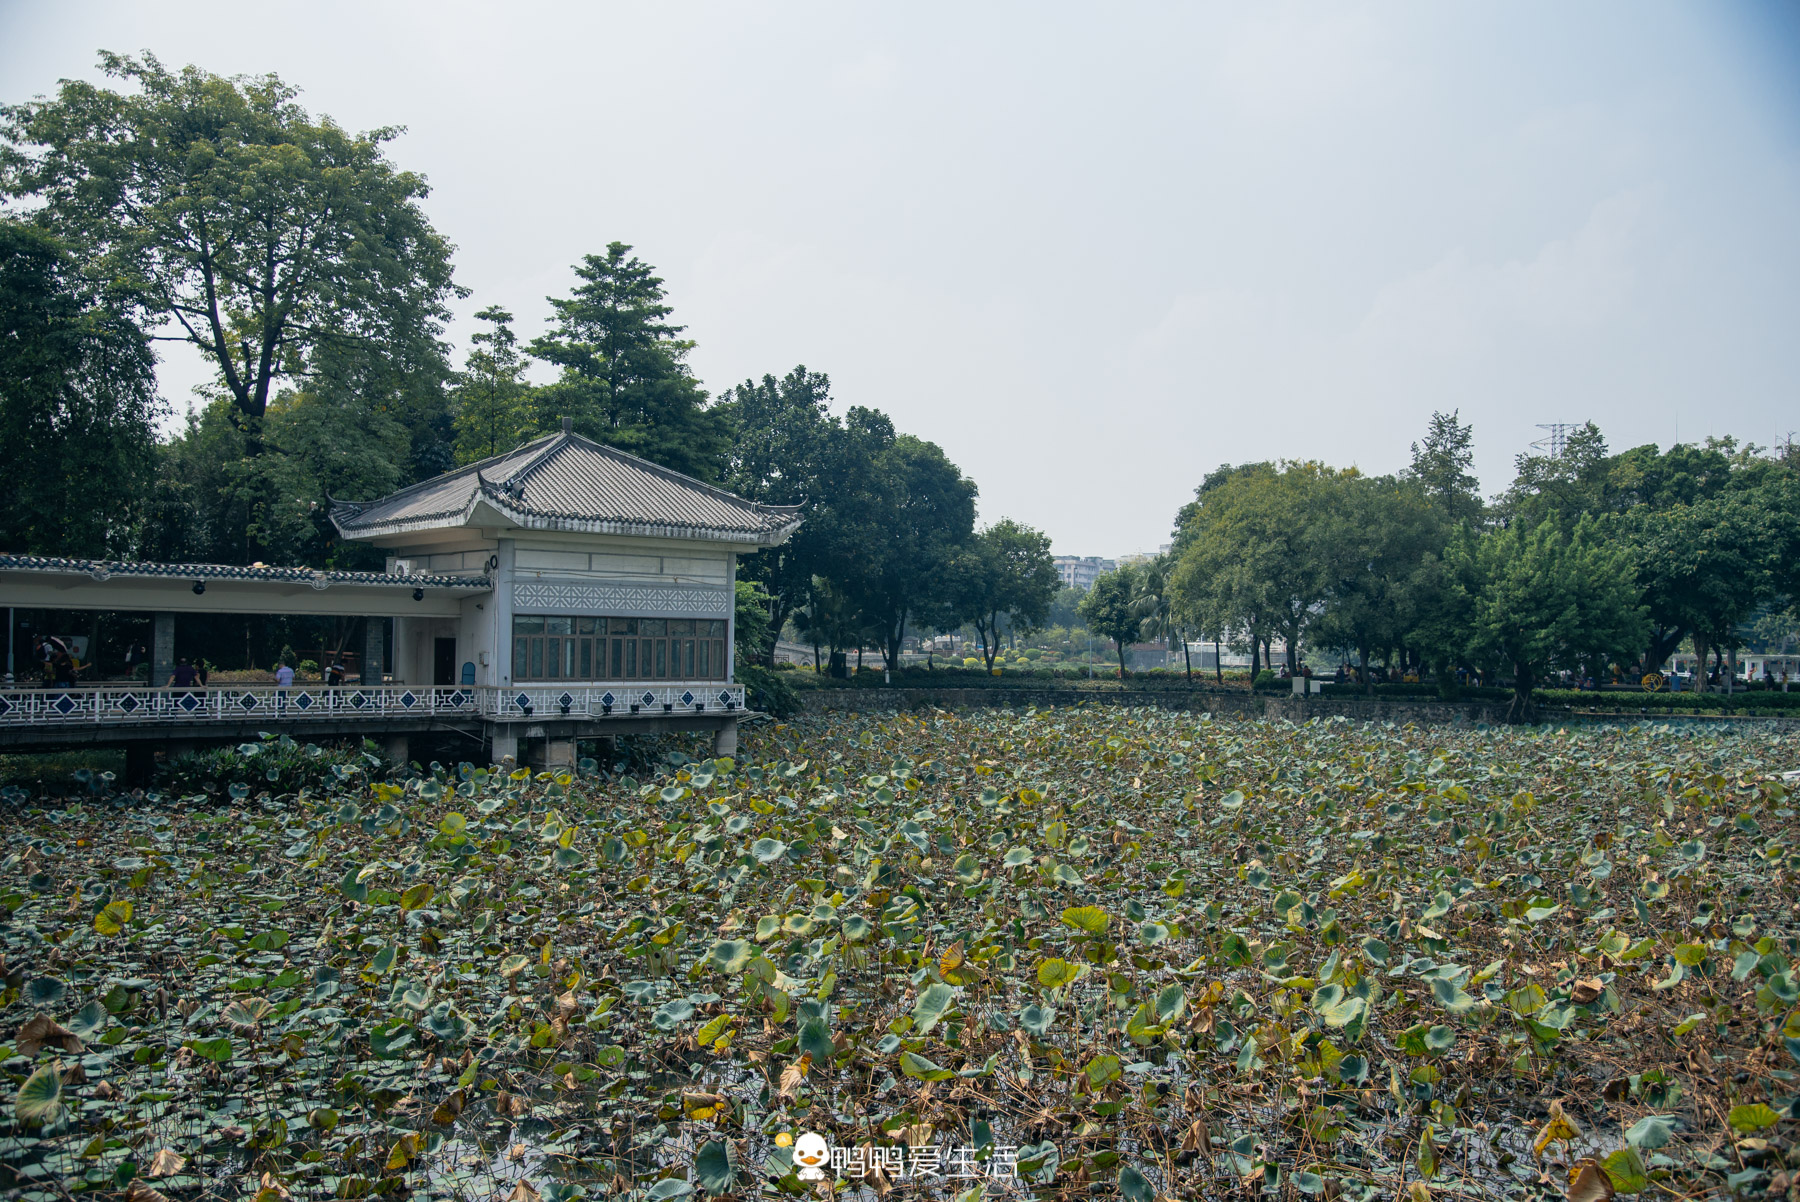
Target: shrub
x=277 y=765
x=767 y=691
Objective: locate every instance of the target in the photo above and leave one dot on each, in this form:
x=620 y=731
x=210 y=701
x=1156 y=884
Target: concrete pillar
x=504 y=744
x=394 y=747
x=140 y=763
x=549 y=755
x=725 y=740
x=374 y=635
x=1299 y=685
x=162 y=650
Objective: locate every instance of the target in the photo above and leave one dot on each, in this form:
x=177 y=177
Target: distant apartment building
x=1080 y=571
x=1137 y=557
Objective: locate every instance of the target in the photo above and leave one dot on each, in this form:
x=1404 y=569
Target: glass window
x=681 y=625
x=537 y=659
x=721 y=660
x=528 y=625
x=586 y=625
x=521 y=659
x=716 y=629
x=705 y=660
x=653 y=627
x=559 y=625
x=618 y=659
x=630 y=659
x=689 y=658
x=587 y=659
x=622 y=625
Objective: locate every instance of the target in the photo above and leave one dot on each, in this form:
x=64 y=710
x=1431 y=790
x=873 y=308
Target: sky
x=1096 y=251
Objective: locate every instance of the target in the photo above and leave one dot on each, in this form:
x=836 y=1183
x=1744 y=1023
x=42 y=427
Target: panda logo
x=811 y=1153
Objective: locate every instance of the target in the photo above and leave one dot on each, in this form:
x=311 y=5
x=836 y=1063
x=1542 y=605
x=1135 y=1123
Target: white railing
x=124 y=705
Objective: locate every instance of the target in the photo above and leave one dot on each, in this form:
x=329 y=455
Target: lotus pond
x=1112 y=951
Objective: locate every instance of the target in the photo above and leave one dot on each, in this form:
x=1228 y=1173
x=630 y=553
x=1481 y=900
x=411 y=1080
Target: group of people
x=57 y=661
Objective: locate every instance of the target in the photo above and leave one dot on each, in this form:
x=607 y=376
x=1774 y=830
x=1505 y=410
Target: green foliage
x=493 y=402
x=268 y=239
x=1004 y=574
x=828 y=938
x=78 y=405
x=1107 y=607
x=276 y=763
x=625 y=379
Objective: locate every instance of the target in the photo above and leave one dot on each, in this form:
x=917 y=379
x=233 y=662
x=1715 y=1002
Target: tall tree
x=1376 y=533
x=78 y=405
x=1254 y=552
x=916 y=513
x=1538 y=599
x=261 y=236
x=1107 y=607
x=783 y=436
x=492 y=400
x=625 y=378
x=1004 y=576
x=1440 y=466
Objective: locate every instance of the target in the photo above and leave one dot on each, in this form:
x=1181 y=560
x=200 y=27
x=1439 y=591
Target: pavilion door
x=443 y=662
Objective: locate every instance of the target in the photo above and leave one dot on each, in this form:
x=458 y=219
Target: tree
x=1005 y=574
x=78 y=405
x=263 y=237
x=1538 y=599
x=1376 y=533
x=1154 y=605
x=625 y=379
x=783 y=436
x=1440 y=466
x=1254 y=552
x=492 y=400
x=1107 y=607
x=916 y=513
x=1707 y=567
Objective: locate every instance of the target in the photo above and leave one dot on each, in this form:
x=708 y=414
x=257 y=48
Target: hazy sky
x=1095 y=251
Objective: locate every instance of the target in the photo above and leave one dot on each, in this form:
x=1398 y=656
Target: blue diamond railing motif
x=361 y=701
x=687 y=698
x=565 y=701
x=6 y=707
x=649 y=698
x=607 y=698
x=522 y=701
x=407 y=700
x=129 y=703
x=247 y=701
x=303 y=702
x=63 y=704
x=189 y=702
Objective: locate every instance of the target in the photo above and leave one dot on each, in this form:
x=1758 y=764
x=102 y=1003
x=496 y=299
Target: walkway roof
x=49 y=582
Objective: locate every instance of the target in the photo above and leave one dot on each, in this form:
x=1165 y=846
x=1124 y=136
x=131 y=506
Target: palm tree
x=1154 y=607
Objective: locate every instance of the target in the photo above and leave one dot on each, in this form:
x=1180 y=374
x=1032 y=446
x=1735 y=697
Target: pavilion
x=563 y=590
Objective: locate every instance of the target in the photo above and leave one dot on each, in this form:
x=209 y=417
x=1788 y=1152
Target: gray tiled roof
x=567 y=482
x=103 y=569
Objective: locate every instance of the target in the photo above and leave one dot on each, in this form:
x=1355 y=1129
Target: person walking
x=284 y=680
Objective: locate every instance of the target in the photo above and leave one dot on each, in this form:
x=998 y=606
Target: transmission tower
x=1552 y=444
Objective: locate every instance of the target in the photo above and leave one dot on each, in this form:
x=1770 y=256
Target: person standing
x=284 y=680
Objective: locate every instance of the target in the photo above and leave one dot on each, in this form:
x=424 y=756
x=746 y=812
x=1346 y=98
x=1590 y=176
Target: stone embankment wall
x=1236 y=704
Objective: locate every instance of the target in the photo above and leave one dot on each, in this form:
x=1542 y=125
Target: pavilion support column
x=140 y=763
x=504 y=744
x=556 y=754
x=725 y=740
x=162 y=650
x=374 y=636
